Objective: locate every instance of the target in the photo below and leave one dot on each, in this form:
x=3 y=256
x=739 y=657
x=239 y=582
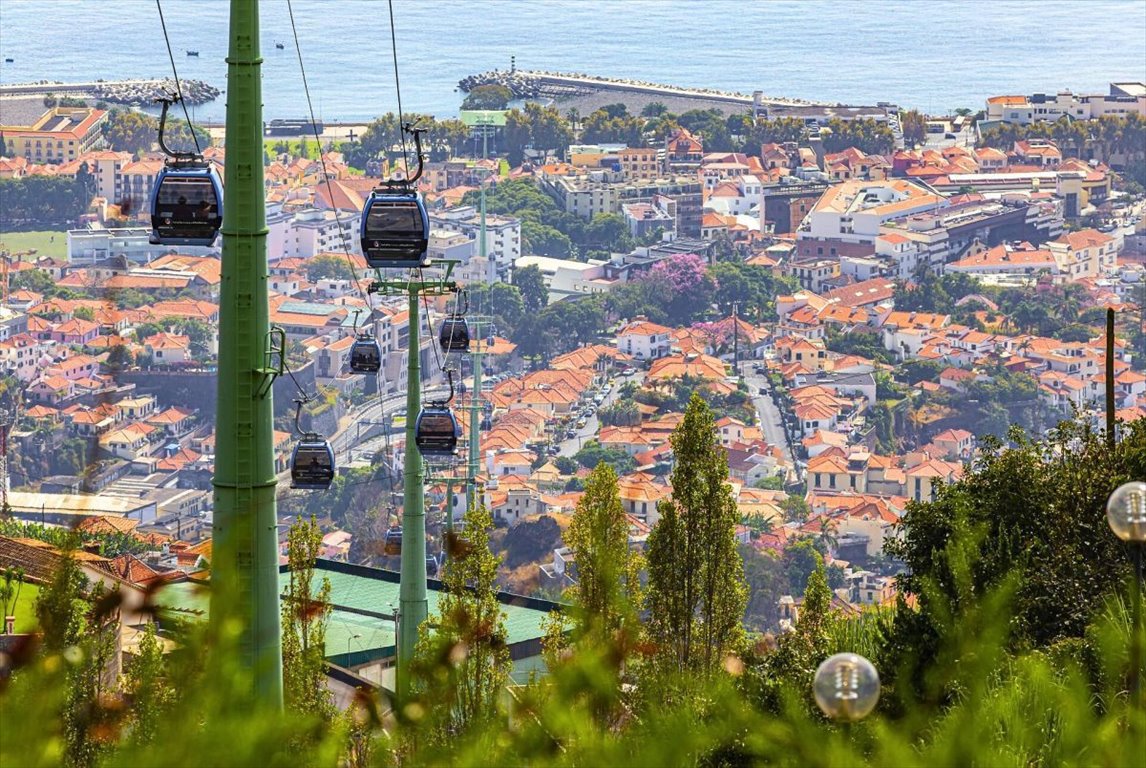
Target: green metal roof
x=305 y=308
x=361 y=627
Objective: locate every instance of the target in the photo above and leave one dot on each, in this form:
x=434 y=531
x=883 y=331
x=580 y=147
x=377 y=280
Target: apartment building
x=1122 y=99
x=1087 y=253
x=503 y=233
x=306 y=233
x=587 y=195
x=59 y=135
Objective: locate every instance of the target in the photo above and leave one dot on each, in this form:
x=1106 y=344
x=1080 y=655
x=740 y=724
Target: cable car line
x=398 y=93
x=175 y=72
x=322 y=159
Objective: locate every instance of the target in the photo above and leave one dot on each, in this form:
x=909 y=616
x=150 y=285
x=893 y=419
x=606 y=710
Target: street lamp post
x=1126 y=516
x=352 y=637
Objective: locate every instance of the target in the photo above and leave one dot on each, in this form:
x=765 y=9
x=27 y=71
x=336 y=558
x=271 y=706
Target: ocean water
x=931 y=54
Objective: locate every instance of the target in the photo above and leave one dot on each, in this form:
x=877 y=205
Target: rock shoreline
x=135 y=92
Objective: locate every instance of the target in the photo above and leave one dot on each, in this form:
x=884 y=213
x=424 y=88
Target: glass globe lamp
x=1126 y=512
x=846 y=687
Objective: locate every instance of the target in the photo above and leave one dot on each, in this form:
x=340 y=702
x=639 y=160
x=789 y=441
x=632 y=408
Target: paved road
x=586 y=433
x=771 y=420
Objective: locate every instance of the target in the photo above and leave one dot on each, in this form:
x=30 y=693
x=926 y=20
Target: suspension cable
x=429 y=325
x=398 y=90
x=322 y=160
x=178 y=87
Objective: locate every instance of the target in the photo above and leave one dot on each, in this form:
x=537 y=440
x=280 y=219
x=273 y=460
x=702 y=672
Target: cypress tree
x=697 y=594
x=608 y=587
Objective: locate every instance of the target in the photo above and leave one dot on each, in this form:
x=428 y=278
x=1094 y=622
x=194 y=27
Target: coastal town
x=863 y=295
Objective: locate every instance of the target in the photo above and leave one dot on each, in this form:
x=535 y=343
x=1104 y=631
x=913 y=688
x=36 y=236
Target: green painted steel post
x=474 y=463
x=245 y=593
x=412 y=603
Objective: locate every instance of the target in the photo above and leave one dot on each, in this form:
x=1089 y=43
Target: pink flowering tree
x=688 y=286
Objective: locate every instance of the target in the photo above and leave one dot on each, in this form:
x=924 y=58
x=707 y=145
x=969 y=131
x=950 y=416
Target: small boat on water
x=192 y=53
x=9 y=61
x=279 y=45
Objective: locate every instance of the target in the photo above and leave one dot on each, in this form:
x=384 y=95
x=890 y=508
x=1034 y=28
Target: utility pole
x=735 y=343
x=413 y=605
x=244 y=578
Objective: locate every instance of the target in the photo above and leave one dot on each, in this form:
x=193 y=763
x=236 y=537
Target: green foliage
x=1110 y=138
x=861 y=343
x=696 y=591
x=305 y=614
x=622 y=413
x=45 y=202
x=328 y=266
x=530 y=282
x=608 y=589
x=109 y=544
x=913 y=123
x=488 y=97
x=148 y=685
x=1033 y=514
x=464 y=664
x=593 y=453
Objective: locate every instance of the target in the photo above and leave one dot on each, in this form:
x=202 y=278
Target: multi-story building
x=566 y=278
x=641 y=163
x=1123 y=99
x=307 y=233
x=854 y=211
x=59 y=135
x=133 y=185
x=1087 y=253
x=91 y=246
x=587 y=195
x=502 y=233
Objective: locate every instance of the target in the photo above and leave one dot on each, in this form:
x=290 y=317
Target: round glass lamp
x=846 y=687
x=1126 y=512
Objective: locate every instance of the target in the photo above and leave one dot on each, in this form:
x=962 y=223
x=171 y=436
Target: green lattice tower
x=245 y=548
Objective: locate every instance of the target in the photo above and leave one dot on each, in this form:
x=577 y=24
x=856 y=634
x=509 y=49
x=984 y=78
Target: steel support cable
x=175 y=72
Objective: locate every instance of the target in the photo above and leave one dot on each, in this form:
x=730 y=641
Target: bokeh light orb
x=1126 y=511
x=846 y=687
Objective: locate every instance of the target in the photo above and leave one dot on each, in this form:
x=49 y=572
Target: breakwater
x=141 y=92
x=536 y=84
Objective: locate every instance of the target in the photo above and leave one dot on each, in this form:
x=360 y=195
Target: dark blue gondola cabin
x=312 y=464
x=436 y=431
x=395 y=231
x=365 y=355
x=186 y=206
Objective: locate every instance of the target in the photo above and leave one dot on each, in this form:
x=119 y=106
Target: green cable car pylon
x=245 y=592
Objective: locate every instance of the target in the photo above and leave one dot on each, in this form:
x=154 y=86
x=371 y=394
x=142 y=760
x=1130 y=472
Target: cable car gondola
x=186 y=199
x=365 y=355
x=393 y=542
x=455 y=334
x=312 y=463
x=431 y=566
x=437 y=431
x=395 y=229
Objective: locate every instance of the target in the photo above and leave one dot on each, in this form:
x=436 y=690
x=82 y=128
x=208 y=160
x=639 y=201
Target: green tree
x=608 y=589
x=470 y=632
x=84 y=313
x=531 y=283
x=488 y=97
x=305 y=615
x=696 y=591
x=913 y=123
x=328 y=266
x=147 y=683
x=127 y=130
x=1029 y=518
